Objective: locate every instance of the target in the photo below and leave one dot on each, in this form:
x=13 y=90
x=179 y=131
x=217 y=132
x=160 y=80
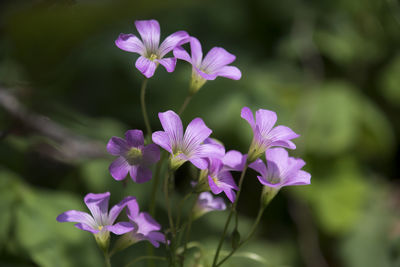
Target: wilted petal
x=117 y=146
x=248 y=116
x=162 y=139
x=215 y=59
x=146 y=66
x=119 y=168
x=98 y=206
x=149 y=30
x=130 y=43
x=168 y=63
x=172 y=41
x=134 y=138
x=116 y=210
x=120 y=228
x=229 y=72
x=172 y=125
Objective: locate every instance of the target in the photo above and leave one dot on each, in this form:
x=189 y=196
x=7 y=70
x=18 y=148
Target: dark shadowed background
x=330 y=69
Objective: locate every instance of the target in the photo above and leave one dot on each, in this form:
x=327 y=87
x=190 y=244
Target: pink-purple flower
x=188 y=145
x=151 y=53
x=206 y=203
x=101 y=221
x=281 y=170
x=214 y=64
x=133 y=157
x=145 y=227
x=265 y=134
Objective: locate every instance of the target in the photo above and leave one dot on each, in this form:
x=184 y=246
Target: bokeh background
x=330 y=69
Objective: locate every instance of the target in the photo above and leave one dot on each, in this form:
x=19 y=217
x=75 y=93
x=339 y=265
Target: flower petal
x=134 y=138
x=213 y=186
x=282 y=133
x=200 y=163
x=168 y=63
x=277 y=162
x=196 y=132
x=230 y=72
x=117 y=146
x=85 y=227
x=142 y=175
x=162 y=139
x=116 y=210
x=181 y=53
x=119 y=168
x=151 y=154
x=230 y=194
x=77 y=216
x=98 y=206
x=146 y=66
x=155 y=238
x=132 y=209
x=130 y=43
x=172 y=41
x=265 y=120
x=259 y=166
x=301 y=178
x=215 y=59
x=248 y=116
x=172 y=125
x=282 y=143
x=234 y=160
x=149 y=30
x=207 y=76
x=120 y=228
x=209 y=151
x=196 y=51
x=146 y=223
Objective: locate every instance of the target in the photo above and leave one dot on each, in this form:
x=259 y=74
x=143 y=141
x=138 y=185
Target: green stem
x=233 y=210
x=249 y=236
x=145 y=258
x=189 y=226
x=156 y=182
x=180 y=206
x=170 y=218
x=185 y=103
x=143 y=104
x=107 y=258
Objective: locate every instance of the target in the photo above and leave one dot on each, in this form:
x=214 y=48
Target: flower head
x=281 y=170
x=151 y=53
x=100 y=222
x=206 y=203
x=265 y=136
x=214 y=64
x=145 y=227
x=133 y=156
x=186 y=146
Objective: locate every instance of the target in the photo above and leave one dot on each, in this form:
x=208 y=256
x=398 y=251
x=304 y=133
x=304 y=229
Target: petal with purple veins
x=181 y=53
x=248 y=116
x=196 y=132
x=149 y=30
x=168 y=63
x=116 y=210
x=146 y=66
x=117 y=146
x=230 y=72
x=120 y=228
x=119 y=168
x=215 y=59
x=134 y=138
x=142 y=175
x=196 y=51
x=162 y=139
x=130 y=43
x=172 y=41
x=172 y=125
x=98 y=206
x=151 y=154
x=265 y=120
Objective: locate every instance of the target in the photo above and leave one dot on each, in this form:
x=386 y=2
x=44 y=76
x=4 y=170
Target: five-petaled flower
x=219 y=176
x=186 y=146
x=101 y=222
x=206 y=203
x=145 y=228
x=214 y=64
x=264 y=135
x=281 y=170
x=134 y=156
x=151 y=53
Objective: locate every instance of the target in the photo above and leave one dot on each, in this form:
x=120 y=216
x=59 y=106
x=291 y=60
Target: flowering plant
x=137 y=154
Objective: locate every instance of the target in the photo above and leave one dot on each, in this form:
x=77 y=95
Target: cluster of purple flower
x=193 y=145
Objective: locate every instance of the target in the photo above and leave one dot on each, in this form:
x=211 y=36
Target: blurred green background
x=330 y=69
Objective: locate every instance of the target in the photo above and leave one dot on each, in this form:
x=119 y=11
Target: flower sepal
x=103 y=240
x=196 y=83
x=268 y=194
x=123 y=242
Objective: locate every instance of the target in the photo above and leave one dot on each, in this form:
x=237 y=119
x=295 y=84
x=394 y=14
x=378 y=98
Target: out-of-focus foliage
x=330 y=69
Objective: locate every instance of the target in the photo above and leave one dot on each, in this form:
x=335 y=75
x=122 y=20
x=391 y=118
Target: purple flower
x=101 y=222
x=186 y=146
x=264 y=135
x=214 y=64
x=281 y=170
x=134 y=156
x=151 y=53
x=145 y=227
x=206 y=203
